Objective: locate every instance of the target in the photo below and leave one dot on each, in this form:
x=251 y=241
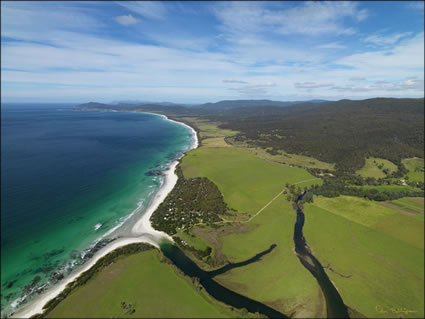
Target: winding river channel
x=334 y=303
x=216 y=290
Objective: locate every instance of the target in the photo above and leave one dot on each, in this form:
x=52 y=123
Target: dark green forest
x=344 y=132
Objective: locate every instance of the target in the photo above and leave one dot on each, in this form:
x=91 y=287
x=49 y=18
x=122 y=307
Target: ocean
x=70 y=181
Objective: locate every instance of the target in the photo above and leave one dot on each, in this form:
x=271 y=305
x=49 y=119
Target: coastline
x=141 y=232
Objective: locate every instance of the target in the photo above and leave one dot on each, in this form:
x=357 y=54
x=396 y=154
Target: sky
x=195 y=52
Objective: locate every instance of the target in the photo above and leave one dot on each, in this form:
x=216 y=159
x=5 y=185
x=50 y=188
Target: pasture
x=246 y=181
x=144 y=284
x=416 y=169
x=376 y=254
x=375 y=167
x=253 y=186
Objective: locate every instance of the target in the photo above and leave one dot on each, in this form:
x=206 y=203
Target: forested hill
x=232 y=104
x=343 y=132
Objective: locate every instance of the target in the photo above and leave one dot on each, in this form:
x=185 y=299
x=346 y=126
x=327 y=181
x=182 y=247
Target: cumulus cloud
x=126 y=20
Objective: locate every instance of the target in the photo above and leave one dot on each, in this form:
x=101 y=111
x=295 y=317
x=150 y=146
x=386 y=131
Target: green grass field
x=416 y=169
x=410 y=206
x=153 y=288
x=210 y=134
x=371 y=168
x=246 y=181
x=415 y=203
x=292 y=159
x=378 y=247
x=278 y=279
x=285 y=158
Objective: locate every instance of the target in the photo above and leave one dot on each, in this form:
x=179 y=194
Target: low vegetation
x=192 y=201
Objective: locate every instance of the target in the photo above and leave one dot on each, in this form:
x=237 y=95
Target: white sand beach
x=141 y=232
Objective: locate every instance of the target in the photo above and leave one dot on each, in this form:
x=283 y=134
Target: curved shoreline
x=142 y=232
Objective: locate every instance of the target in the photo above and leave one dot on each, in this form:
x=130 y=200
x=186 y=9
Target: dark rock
x=9 y=284
x=154 y=173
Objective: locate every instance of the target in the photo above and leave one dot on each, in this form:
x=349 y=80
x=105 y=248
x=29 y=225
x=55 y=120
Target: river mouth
x=334 y=304
x=227 y=296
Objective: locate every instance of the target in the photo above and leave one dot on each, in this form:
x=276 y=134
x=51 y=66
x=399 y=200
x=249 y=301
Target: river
x=334 y=304
x=216 y=290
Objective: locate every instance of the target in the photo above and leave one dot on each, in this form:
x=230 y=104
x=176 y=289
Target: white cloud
x=251 y=88
x=407 y=55
x=147 y=9
x=37 y=21
x=383 y=86
x=250 y=55
x=379 y=40
x=235 y=81
x=126 y=20
x=315 y=18
x=311 y=85
x=309 y=18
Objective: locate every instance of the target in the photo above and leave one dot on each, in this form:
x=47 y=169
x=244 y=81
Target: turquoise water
x=69 y=179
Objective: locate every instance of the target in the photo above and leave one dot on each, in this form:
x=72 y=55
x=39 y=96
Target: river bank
x=141 y=231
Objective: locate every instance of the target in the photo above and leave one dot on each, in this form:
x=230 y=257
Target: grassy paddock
x=152 y=287
x=416 y=169
x=371 y=168
x=288 y=159
x=210 y=134
x=410 y=206
x=278 y=279
x=376 y=254
x=246 y=181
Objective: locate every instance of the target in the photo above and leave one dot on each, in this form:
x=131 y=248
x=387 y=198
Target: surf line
x=141 y=232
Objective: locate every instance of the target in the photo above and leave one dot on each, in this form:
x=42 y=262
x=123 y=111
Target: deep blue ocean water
x=67 y=179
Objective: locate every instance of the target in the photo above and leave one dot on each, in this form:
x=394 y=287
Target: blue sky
x=190 y=52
